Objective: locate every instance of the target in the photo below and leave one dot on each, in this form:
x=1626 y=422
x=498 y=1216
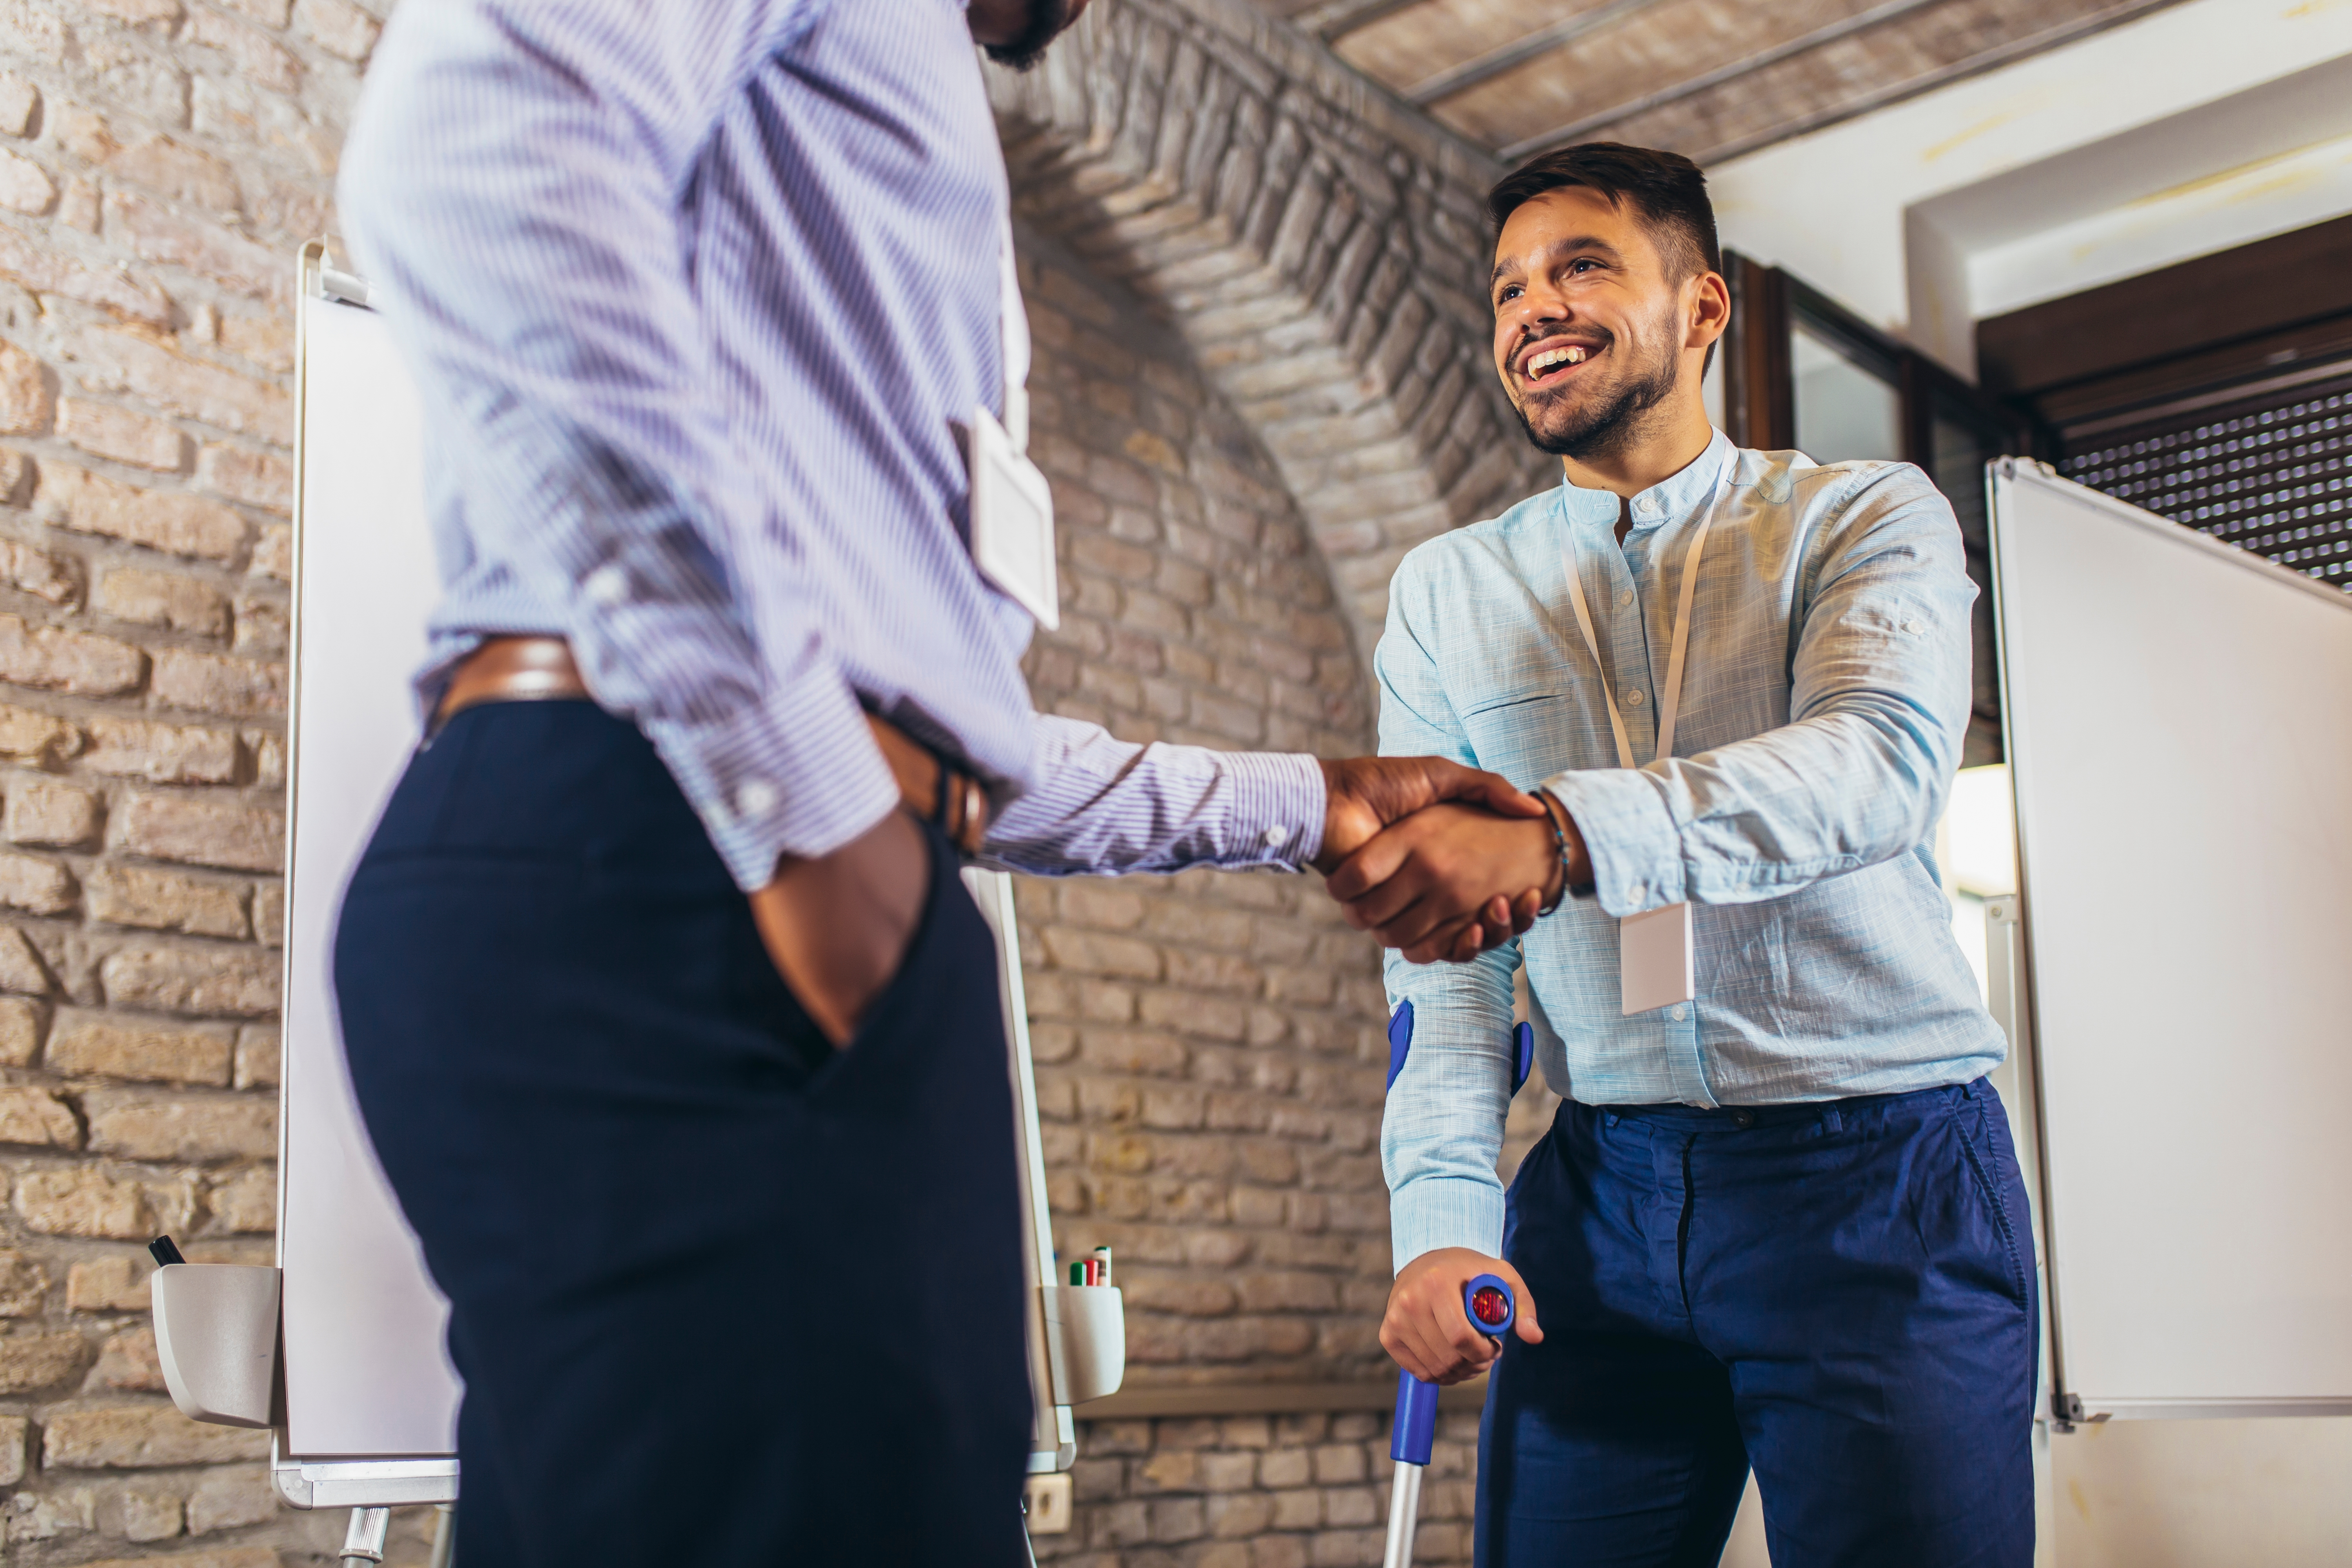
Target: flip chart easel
x=363 y=1410
x=2178 y=715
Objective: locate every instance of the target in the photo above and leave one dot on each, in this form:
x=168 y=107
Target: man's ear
x=1707 y=310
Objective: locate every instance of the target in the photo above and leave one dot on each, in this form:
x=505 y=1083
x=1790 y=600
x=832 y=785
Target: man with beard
x=1778 y=1221
x=725 y=683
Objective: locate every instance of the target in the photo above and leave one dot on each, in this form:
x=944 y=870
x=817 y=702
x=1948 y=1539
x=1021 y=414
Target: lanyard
x=1013 y=346
x=1669 y=699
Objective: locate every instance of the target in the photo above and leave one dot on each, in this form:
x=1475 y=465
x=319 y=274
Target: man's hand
x=837 y=926
x=1367 y=794
x=1424 y=882
x=1427 y=1330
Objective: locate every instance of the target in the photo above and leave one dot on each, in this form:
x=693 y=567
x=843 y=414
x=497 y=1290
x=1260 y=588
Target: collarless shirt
x=1825 y=696
x=695 y=294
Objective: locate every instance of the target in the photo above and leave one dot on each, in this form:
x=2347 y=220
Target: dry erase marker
x=1102 y=1264
x=164 y=1252
x=1077 y=1272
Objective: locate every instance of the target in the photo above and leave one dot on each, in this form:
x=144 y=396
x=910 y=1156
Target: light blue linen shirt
x=694 y=293
x=1825 y=697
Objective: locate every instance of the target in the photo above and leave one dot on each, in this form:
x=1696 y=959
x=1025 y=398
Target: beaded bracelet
x=1556 y=813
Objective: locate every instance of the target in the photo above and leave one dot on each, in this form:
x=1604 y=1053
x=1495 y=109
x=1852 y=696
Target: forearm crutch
x=1491 y=1309
x=1487 y=1301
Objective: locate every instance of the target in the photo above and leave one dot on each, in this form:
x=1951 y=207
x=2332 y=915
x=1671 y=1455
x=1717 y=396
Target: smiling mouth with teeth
x=1541 y=365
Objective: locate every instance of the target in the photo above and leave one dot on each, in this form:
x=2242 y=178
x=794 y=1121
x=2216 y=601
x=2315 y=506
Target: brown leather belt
x=540 y=668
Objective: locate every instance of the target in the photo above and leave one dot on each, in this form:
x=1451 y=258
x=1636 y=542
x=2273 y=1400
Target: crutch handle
x=1492 y=1309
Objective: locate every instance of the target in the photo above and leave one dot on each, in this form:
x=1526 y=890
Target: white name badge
x=1012 y=522
x=1655 y=967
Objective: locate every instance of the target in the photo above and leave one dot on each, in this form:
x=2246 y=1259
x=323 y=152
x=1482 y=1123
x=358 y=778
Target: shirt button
x=1646 y=507
x=1633 y=698
x=607 y=586
x=1676 y=1015
x=1743 y=1120
x=1276 y=836
x=1624 y=595
x=1915 y=627
x=1634 y=893
x=756 y=799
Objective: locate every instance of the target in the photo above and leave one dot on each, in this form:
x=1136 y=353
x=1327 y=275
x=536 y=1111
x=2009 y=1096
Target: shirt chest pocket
x=1523 y=736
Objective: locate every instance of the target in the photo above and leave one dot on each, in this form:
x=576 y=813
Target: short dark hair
x=1667 y=189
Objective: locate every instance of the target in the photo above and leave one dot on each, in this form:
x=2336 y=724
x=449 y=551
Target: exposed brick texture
x=1257 y=1491
x=1209 y=1045
x=159 y=163
x=1322 y=251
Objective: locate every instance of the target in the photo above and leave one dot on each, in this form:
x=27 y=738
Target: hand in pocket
x=837 y=926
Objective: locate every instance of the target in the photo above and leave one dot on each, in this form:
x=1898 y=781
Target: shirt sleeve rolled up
x=1878 y=699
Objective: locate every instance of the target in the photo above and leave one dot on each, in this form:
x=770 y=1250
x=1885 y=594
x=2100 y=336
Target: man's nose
x=1535 y=318
x=1541 y=308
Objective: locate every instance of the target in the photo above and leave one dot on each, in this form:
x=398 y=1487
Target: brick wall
x=159 y=164
x=1209 y=1045
x=1258 y=1492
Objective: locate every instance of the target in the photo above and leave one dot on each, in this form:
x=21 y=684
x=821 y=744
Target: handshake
x=1441 y=860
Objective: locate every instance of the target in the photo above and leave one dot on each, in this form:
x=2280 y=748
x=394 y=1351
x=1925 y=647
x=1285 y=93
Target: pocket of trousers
x=1975 y=1149
x=874 y=1030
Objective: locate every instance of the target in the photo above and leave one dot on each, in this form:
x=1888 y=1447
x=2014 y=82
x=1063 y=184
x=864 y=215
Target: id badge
x=1654 y=959
x=1012 y=522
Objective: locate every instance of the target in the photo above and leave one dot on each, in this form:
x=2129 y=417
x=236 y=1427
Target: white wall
x=2199 y=127
x=2179 y=1494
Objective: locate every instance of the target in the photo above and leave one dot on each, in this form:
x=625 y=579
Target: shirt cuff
x=1635 y=847
x=1444 y=1211
x=1279 y=804
x=798 y=774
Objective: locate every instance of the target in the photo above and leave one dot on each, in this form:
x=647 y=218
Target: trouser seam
x=1683 y=1230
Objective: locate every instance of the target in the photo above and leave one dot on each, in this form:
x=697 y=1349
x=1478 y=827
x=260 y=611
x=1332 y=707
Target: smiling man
x=1778 y=1221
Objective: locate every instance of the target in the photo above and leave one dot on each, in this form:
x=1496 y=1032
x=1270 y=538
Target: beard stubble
x=1046 y=20
x=1608 y=422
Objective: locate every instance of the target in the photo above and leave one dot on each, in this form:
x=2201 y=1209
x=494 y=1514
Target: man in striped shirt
x=700 y=296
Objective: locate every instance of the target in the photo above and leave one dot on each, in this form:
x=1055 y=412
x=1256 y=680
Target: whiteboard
x=366 y=1371
x=370 y=1396
x=2178 y=721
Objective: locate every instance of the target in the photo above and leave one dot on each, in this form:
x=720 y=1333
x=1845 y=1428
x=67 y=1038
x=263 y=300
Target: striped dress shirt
x=696 y=293
x=1825 y=699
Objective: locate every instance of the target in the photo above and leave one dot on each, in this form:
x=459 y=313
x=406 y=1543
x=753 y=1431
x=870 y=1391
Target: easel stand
x=363 y=1539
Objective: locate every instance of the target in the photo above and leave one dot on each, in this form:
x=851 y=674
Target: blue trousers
x=1841 y=1295
x=722 y=1296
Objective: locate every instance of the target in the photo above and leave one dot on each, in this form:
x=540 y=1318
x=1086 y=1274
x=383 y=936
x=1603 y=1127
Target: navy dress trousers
x=1839 y=1294
x=722 y=1296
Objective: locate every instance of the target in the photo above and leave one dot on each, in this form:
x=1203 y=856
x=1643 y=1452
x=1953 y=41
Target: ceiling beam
x=1332 y=20
x=1956 y=70
x=1485 y=67
x=1861 y=21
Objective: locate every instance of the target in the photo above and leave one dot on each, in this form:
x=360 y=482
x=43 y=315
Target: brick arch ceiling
x=1319 y=248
